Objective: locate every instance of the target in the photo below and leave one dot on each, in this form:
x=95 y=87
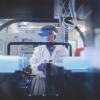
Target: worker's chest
x=47 y=56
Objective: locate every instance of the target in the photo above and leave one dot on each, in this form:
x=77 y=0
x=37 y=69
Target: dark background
x=43 y=9
x=26 y=9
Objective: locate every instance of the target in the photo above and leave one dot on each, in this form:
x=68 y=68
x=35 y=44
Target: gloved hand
x=41 y=67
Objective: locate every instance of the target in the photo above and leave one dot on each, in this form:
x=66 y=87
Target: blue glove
x=41 y=67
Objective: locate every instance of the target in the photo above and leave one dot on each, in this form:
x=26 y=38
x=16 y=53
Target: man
x=47 y=52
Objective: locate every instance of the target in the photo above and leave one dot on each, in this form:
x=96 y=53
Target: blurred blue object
x=10 y=64
x=75 y=64
x=45 y=32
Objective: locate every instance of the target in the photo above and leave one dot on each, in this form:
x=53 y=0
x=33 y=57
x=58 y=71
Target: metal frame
x=39 y=43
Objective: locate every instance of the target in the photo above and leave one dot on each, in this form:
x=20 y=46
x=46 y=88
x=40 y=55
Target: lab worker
x=45 y=53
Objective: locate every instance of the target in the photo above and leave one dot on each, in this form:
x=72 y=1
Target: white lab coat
x=41 y=53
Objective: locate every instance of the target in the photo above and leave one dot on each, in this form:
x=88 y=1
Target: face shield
x=48 y=30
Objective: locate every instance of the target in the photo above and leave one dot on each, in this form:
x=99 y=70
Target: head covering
x=48 y=30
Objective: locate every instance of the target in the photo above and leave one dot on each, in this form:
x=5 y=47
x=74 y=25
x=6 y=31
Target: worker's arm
x=35 y=61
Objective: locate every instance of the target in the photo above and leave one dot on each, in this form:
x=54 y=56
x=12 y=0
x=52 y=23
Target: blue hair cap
x=48 y=30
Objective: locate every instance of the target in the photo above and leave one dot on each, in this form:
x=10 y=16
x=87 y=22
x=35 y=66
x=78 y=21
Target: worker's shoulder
x=60 y=46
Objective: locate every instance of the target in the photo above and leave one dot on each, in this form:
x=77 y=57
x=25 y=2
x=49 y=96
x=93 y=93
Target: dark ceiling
x=26 y=8
x=38 y=9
